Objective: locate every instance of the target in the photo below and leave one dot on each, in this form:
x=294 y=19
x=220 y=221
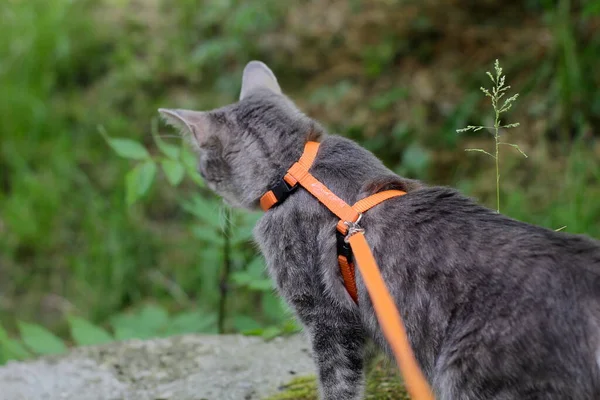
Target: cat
x=494 y=308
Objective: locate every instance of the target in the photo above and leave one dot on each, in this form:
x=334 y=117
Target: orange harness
x=349 y=232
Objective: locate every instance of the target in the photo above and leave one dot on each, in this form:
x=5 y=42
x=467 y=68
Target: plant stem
x=497 y=179
x=224 y=282
x=497 y=138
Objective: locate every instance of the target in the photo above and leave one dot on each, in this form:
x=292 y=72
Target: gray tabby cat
x=494 y=308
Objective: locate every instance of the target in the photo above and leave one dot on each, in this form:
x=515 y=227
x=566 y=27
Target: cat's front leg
x=338 y=345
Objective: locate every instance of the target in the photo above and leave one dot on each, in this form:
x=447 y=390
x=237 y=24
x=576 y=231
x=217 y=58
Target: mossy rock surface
x=383 y=383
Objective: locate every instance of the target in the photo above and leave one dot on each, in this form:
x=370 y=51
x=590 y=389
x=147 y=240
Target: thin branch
x=474 y=128
x=481 y=151
x=516 y=147
x=225 y=272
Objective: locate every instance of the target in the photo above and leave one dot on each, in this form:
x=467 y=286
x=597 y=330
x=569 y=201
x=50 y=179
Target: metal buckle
x=353 y=228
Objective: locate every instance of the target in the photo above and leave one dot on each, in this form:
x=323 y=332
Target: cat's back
x=453 y=218
x=495 y=290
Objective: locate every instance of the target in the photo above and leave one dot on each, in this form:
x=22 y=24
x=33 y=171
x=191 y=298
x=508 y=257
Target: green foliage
x=253 y=277
x=147 y=322
x=154 y=321
x=174 y=171
x=11 y=349
x=226 y=256
x=128 y=149
x=40 y=340
x=139 y=180
x=85 y=333
x=498 y=91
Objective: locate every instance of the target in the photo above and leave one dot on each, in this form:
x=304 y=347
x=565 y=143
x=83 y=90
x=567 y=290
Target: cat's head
x=245 y=147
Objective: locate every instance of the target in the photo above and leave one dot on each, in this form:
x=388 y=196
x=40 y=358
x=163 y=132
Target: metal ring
x=350 y=224
x=353 y=228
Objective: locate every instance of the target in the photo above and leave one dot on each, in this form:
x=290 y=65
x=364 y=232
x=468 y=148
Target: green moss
x=302 y=388
x=383 y=383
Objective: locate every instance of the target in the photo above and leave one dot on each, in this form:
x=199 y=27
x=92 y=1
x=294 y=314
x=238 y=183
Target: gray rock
x=190 y=367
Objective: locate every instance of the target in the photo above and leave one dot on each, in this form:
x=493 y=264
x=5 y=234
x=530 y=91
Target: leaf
x=192 y=322
x=191 y=162
x=128 y=333
x=244 y=323
x=253 y=332
x=11 y=349
x=149 y=322
x=291 y=326
x=241 y=278
x=207 y=235
x=146 y=177
x=272 y=307
x=204 y=209
x=167 y=149
x=271 y=332
x=40 y=340
x=242 y=234
x=256 y=268
x=244 y=228
x=85 y=333
x=153 y=318
x=253 y=277
x=139 y=180
x=128 y=148
x=174 y=171
x=261 y=285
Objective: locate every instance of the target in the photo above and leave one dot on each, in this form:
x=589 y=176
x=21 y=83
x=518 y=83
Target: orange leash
x=389 y=320
x=385 y=309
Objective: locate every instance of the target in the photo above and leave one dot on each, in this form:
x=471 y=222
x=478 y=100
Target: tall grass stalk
x=497 y=92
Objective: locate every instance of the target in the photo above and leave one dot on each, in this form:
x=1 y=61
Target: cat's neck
x=352 y=172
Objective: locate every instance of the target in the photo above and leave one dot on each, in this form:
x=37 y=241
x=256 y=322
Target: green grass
x=74 y=243
x=496 y=93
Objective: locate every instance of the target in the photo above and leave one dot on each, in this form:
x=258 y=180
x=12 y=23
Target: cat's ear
x=258 y=76
x=196 y=123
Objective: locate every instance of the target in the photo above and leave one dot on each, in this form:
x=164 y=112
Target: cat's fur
x=494 y=308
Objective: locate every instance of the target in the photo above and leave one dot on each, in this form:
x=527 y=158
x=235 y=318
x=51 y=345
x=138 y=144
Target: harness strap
x=288 y=184
x=385 y=309
x=389 y=320
x=345 y=251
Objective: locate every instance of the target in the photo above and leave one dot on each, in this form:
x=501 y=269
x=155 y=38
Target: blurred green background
x=96 y=247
